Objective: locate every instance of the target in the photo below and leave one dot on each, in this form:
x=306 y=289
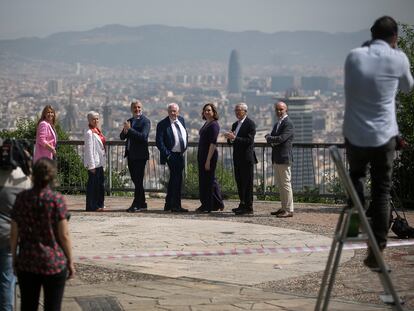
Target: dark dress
x=210 y=193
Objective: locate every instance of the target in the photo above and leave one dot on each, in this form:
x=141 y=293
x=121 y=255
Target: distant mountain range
x=114 y=45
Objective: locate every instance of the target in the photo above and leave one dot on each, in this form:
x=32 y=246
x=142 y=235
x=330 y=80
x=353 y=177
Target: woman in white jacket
x=94 y=161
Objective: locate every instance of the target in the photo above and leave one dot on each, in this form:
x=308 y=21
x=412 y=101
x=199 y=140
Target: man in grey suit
x=281 y=140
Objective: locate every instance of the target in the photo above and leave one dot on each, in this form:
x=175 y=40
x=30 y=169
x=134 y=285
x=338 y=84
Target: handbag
x=401 y=228
x=400 y=225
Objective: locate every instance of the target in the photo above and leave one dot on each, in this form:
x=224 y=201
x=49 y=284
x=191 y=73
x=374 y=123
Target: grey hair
x=92 y=114
x=242 y=105
x=135 y=101
x=173 y=105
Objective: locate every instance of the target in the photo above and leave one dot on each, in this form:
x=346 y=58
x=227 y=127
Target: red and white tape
x=241 y=251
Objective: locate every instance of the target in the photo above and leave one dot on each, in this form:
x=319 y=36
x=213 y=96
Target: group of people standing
x=172 y=140
x=34 y=236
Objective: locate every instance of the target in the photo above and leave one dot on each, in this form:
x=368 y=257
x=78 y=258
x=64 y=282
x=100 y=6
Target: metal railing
x=313 y=172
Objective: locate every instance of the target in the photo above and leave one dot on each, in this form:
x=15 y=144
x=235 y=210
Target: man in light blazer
x=136 y=131
x=241 y=137
x=171 y=140
x=281 y=140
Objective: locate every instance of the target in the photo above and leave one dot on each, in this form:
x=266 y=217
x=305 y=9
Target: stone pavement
x=187 y=282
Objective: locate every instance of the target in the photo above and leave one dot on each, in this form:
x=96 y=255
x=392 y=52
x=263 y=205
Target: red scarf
x=98 y=131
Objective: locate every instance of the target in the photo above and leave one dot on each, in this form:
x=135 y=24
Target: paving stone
x=211 y=282
x=100 y=303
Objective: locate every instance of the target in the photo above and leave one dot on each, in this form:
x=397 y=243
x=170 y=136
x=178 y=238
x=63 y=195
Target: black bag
x=400 y=225
x=401 y=228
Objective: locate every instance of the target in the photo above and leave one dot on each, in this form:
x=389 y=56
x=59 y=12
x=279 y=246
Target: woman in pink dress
x=46 y=137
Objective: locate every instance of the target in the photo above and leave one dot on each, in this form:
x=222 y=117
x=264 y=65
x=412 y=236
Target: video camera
x=15 y=153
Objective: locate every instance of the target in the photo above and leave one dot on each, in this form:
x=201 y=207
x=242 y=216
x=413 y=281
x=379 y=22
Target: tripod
x=341 y=236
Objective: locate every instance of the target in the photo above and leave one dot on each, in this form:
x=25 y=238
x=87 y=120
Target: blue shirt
x=373 y=75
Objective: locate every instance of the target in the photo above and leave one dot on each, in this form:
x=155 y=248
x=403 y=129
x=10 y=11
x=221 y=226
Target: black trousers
x=53 y=288
x=176 y=165
x=243 y=173
x=137 y=171
x=209 y=189
x=380 y=161
x=95 y=189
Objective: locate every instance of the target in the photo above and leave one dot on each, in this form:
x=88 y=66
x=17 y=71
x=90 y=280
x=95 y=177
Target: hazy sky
x=43 y=17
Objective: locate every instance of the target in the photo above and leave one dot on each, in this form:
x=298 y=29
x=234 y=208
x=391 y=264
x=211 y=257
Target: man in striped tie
x=171 y=139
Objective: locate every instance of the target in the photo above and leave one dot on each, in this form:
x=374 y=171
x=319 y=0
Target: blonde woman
x=46 y=137
x=94 y=161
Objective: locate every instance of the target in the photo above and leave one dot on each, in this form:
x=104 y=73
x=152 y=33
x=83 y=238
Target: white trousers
x=283 y=182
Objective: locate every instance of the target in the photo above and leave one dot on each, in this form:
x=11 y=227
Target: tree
x=404 y=165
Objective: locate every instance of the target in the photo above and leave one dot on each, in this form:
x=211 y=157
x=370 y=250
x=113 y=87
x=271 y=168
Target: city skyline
x=44 y=17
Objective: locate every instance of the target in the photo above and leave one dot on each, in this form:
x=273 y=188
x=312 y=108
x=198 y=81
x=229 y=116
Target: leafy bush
x=404 y=165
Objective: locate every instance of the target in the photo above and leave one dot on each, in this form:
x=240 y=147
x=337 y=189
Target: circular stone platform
x=108 y=235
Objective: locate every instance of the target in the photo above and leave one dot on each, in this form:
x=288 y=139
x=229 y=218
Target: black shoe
x=167 y=208
x=244 y=211
x=241 y=206
x=132 y=209
x=218 y=208
x=179 y=210
x=202 y=210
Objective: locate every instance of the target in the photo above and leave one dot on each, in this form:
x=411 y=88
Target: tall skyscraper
x=234 y=74
x=301 y=113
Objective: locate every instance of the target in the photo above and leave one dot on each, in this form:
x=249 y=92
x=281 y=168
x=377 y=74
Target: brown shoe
x=279 y=211
x=285 y=214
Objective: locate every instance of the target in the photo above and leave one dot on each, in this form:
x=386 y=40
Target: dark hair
x=43 y=115
x=384 y=28
x=44 y=173
x=215 y=113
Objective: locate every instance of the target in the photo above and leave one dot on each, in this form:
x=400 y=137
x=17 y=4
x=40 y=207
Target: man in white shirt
x=373 y=75
x=171 y=139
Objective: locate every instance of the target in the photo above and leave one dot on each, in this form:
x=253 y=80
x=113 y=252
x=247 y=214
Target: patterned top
x=37 y=217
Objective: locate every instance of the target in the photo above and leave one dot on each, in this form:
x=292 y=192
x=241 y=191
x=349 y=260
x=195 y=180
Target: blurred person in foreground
x=46 y=137
x=40 y=243
x=94 y=161
x=171 y=139
x=13 y=179
x=241 y=137
x=209 y=190
x=373 y=75
x=281 y=141
x=136 y=130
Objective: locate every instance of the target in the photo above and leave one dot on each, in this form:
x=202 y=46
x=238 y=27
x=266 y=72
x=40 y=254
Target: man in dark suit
x=171 y=140
x=281 y=140
x=135 y=131
x=241 y=137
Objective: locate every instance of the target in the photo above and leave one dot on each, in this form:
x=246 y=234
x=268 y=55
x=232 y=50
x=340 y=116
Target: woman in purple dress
x=210 y=193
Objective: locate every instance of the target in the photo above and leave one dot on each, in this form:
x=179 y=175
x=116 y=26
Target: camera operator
x=14 y=165
x=373 y=75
